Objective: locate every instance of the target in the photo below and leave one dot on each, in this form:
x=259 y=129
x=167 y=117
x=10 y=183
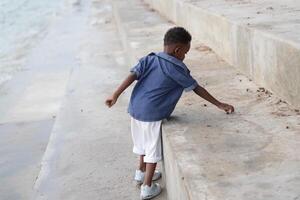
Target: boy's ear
x=177 y=49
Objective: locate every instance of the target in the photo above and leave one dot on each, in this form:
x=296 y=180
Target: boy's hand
x=226 y=107
x=208 y=97
x=110 y=101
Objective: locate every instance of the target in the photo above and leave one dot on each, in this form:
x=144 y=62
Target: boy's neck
x=169 y=51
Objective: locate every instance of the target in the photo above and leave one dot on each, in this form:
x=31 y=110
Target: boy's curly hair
x=177 y=35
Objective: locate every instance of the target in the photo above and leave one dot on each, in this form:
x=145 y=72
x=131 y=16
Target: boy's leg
x=150 y=168
x=142 y=165
x=152 y=150
x=153 y=154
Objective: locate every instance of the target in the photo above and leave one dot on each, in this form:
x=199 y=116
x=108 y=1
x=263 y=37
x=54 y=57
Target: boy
x=161 y=79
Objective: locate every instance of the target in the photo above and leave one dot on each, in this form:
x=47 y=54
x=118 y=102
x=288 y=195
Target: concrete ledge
x=259 y=39
x=208 y=154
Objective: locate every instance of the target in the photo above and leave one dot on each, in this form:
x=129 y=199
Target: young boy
x=161 y=79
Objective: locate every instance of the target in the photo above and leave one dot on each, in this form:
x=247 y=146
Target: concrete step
x=260 y=38
x=250 y=155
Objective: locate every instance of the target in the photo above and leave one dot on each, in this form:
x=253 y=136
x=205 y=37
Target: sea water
x=22 y=24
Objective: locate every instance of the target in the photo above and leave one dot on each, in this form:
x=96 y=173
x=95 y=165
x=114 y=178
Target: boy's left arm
x=207 y=96
x=110 y=101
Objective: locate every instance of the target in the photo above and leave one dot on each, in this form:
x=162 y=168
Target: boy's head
x=177 y=42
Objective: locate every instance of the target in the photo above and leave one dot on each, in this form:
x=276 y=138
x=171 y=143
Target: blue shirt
x=161 y=79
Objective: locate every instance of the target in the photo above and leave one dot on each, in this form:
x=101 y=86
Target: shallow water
x=22 y=24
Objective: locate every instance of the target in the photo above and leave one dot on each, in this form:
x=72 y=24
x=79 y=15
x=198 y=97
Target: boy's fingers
x=111 y=103
x=108 y=103
x=230 y=109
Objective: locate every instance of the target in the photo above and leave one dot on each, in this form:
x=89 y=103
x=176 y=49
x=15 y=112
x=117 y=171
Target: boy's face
x=180 y=50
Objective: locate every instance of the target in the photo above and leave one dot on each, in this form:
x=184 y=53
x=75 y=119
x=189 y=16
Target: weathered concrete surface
x=250 y=155
x=22 y=146
x=89 y=155
x=260 y=38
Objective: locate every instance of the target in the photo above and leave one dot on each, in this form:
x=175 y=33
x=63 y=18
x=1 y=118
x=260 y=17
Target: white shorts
x=146 y=138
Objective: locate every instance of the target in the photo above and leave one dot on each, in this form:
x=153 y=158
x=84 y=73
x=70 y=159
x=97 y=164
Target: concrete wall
x=270 y=61
x=175 y=185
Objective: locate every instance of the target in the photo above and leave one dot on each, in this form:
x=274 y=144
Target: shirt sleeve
x=139 y=68
x=183 y=78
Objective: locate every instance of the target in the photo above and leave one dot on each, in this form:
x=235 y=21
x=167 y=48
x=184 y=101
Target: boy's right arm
x=110 y=101
x=208 y=97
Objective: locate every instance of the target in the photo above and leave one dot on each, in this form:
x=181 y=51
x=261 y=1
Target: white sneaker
x=139 y=176
x=150 y=192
